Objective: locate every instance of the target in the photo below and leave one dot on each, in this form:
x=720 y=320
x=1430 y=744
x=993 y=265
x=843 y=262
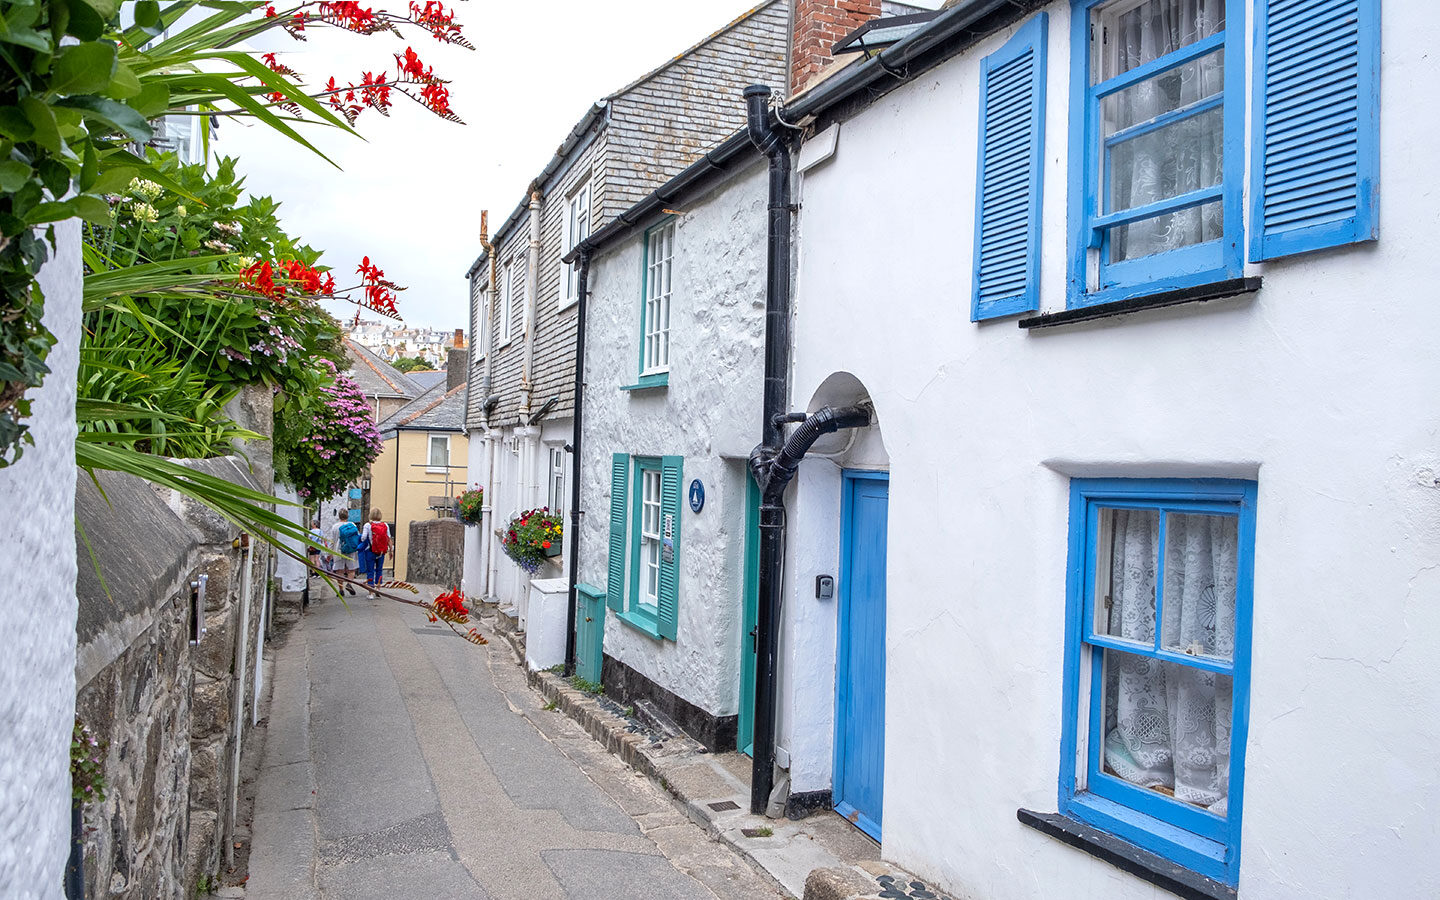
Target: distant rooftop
x=376 y=377
x=435 y=410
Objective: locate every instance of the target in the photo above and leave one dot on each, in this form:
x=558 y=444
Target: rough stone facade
x=165 y=704
x=436 y=552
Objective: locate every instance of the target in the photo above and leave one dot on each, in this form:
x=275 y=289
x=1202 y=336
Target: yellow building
x=422 y=467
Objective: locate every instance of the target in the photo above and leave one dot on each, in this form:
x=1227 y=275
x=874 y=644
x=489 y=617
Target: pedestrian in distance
x=346 y=538
x=374 y=542
x=313 y=553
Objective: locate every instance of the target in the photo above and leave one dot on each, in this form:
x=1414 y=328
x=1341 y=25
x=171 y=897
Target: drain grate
x=724 y=806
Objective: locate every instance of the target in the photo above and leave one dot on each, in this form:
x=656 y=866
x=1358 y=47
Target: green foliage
x=87 y=765
x=469 y=505
x=582 y=684
x=531 y=536
x=411 y=364
x=330 y=444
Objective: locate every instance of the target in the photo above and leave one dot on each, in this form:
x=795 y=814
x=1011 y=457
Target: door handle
x=588 y=619
x=754 y=645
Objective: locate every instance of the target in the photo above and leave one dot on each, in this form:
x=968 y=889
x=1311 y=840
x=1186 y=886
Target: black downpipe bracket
x=572 y=539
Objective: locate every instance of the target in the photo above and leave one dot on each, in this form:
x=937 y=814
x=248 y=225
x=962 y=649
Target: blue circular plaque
x=697 y=496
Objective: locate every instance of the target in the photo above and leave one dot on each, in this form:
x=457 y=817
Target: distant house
x=423 y=464
x=384 y=386
x=523 y=297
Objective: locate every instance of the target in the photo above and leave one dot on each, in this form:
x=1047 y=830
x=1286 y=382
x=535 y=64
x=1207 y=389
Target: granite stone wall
x=437 y=552
x=162 y=700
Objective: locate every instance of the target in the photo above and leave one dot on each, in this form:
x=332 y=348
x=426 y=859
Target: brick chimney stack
x=818 y=24
x=459 y=339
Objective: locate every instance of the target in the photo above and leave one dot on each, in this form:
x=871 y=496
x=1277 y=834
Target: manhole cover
x=724 y=806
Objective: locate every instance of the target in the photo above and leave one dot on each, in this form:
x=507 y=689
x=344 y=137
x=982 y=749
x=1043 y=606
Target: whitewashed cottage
x=521 y=399
x=1133 y=599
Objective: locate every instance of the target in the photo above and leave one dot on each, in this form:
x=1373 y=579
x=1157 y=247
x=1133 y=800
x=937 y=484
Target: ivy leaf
x=113 y=181
x=86 y=23
x=83 y=68
x=147 y=17
x=14 y=125
x=39 y=115
x=50 y=212
x=152 y=100
x=13 y=175
x=92 y=209
x=121 y=117
x=124 y=85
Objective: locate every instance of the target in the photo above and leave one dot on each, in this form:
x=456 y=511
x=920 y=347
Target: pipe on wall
x=572 y=539
x=237 y=695
x=775 y=399
x=532 y=292
x=487 y=572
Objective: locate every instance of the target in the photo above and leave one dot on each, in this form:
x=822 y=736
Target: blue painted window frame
x=1029 y=38
x=655 y=379
x=642 y=616
x=1192 y=266
x=1188 y=836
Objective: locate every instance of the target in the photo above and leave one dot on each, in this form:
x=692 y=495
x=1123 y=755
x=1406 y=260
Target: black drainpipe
x=774 y=461
x=776 y=397
x=572 y=539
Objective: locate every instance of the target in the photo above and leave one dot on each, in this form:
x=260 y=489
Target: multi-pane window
x=556 y=492
x=1160 y=119
x=1157 y=694
x=659 y=259
x=439 y=460
x=575 y=228
x=650 y=536
x=513 y=293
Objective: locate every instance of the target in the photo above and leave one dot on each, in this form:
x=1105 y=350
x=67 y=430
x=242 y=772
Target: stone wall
x=163 y=703
x=436 y=554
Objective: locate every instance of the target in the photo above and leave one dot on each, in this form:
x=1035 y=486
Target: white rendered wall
x=37 y=620
x=709 y=414
x=291 y=572
x=1322 y=387
x=472 y=581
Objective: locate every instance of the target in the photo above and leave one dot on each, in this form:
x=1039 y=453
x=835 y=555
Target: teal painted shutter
x=671 y=470
x=1316 y=131
x=619 y=494
x=1007 y=191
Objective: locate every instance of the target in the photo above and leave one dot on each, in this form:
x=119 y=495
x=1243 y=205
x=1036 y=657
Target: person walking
x=312 y=554
x=375 y=541
x=345 y=538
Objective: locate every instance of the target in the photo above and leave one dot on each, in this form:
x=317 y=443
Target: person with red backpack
x=374 y=543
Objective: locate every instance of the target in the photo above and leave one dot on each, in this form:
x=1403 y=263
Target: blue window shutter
x=1316 y=132
x=668 y=601
x=619 y=493
x=1007 y=191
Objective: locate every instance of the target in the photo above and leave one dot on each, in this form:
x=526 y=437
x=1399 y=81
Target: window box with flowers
x=532 y=537
x=470 y=505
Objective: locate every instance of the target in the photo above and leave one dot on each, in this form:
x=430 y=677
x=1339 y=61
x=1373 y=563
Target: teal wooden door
x=749 y=616
x=859 y=775
x=589 y=631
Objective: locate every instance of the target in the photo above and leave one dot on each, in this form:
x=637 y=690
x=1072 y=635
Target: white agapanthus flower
x=144 y=212
x=145 y=188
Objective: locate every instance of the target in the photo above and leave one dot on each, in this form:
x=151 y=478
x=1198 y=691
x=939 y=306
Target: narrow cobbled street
x=402 y=761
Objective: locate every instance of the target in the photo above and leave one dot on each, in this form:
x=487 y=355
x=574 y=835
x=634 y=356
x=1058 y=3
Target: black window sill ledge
x=1143 y=864
x=1218 y=290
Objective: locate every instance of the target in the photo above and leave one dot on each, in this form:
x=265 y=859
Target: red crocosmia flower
x=270 y=12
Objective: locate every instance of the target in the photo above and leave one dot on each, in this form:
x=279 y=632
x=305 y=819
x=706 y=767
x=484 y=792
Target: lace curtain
x=1167 y=725
x=1183 y=156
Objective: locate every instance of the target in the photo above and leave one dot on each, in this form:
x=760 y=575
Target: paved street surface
x=402 y=761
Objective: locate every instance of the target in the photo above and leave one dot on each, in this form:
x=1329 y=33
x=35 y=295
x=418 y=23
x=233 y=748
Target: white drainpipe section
x=532 y=292
x=237 y=695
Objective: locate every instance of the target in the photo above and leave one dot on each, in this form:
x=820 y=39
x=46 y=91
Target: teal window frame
x=1192 y=266
x=645 y=377
x=659 y=619
x=646 y=616
x=1194 y=838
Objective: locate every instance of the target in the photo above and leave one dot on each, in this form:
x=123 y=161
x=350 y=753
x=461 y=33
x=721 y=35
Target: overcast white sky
x=410 y=194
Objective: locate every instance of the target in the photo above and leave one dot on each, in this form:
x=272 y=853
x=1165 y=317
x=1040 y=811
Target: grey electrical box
x=824 y=587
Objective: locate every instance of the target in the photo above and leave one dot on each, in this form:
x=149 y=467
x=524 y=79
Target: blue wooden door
x=750 y=613
x=860 y=652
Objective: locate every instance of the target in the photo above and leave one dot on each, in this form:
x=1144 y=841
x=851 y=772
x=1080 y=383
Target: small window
x=556 y=494
x=513 y=293
x=1158 y=117
x=643 y=576
x=655 y=330
x=439 y=460
x=1157 y=675
x=575 y=227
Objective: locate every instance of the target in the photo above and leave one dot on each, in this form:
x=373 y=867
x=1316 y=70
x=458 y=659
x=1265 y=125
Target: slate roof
x=435 y=410
x=426 y=380
x=376 y=377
